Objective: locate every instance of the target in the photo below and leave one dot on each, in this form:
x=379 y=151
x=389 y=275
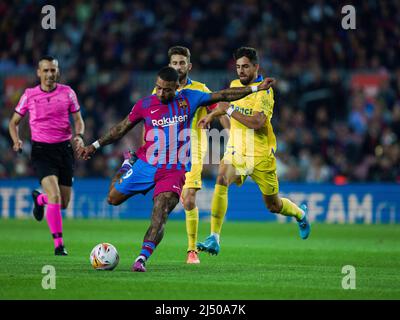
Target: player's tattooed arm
x=256 y=121
x=232 y=94
x=216 y=113
x=114 y=134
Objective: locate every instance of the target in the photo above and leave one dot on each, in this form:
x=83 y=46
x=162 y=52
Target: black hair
x=183 y=51
x=168 y=74
x=248 y=52
x=48 y=58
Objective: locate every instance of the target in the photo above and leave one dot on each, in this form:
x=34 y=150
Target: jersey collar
x=52 y=90
x=258 y=79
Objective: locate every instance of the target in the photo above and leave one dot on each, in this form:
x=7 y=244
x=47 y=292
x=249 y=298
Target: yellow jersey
x=199 y=141
x=245 y=141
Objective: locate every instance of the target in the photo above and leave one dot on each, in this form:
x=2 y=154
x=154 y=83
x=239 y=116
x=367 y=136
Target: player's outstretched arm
x=232 y=94
x=216 y=113
x=255 y=122
x=114 y=134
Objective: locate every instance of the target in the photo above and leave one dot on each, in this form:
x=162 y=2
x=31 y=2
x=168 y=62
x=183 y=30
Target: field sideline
x=257 y=261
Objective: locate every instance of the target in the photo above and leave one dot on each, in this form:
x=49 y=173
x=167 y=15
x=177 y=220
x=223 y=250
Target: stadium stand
x=337 y=111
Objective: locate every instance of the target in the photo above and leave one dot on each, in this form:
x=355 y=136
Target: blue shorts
x=143 y=177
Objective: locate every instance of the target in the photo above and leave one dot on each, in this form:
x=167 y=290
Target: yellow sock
x=192 y=224
x=219 y=205
x=290 y=209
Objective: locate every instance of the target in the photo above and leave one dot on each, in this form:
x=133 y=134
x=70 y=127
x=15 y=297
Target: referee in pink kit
x=50 y=105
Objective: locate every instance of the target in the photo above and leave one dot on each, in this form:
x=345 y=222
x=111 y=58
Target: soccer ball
x=104 y=256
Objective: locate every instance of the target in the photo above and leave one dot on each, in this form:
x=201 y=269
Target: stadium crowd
x=327 y=128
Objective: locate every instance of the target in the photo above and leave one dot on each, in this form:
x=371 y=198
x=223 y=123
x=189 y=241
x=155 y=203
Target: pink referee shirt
x=49 y=112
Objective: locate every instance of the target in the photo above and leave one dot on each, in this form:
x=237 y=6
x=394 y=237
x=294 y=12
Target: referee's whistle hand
x=17 y=146
x=78 y=143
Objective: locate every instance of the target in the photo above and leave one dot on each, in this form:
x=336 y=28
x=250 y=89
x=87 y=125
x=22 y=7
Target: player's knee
x=165 y=202
x=189 y=202
x=113 y=200
x=222 y=180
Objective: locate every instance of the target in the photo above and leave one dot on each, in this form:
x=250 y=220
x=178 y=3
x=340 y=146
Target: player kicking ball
x=179 y=59
x=244 y=156
x=161 y=163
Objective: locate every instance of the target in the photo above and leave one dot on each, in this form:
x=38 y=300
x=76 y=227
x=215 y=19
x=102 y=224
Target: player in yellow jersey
x=250 y=151
x=179 y=59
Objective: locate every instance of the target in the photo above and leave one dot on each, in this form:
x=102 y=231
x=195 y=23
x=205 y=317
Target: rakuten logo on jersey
x=165 y=122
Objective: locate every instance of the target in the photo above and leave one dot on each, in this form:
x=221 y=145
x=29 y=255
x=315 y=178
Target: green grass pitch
x=257 y=261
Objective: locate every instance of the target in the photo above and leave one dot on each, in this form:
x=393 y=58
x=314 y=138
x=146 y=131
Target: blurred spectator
x=318 y=171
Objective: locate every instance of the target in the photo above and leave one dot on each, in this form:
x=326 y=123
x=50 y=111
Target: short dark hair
x=47 y=58
x=183 y=51
x=248 y=52
x=168 y=74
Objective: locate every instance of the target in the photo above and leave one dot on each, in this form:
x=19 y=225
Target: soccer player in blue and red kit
x=161 y=163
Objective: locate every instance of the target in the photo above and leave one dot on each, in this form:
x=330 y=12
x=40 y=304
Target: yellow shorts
x=261 y=169
x=193 y=177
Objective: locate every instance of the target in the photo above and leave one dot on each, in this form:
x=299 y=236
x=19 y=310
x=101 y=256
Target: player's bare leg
x=192 y=223
x=273 y=203
x=219 y=205
x=164 y=203
x=284 y=206
x=114 y=179
x=115 y=197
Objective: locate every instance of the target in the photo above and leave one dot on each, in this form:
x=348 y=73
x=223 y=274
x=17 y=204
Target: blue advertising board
x=353 y=203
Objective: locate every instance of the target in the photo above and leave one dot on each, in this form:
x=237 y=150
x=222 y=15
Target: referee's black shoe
x=38 y=210
x=60 y=251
